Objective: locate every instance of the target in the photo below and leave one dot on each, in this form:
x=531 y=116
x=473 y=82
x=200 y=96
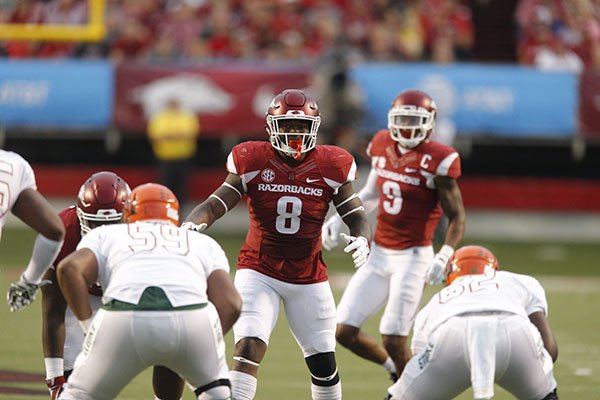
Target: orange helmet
x=151 y=201
x=470 y=260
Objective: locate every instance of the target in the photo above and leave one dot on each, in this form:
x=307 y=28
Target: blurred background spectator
x=326 y=38
x=173 y=132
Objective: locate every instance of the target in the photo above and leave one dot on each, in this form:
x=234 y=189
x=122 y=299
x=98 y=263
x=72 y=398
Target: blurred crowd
x=551 y=34
x=298 y=31
x=559 y=34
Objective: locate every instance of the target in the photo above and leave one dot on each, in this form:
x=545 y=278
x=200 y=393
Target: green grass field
x=570 y=273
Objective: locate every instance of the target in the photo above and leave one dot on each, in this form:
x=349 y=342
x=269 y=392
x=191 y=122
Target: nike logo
x=308 y=180
x=409 y=170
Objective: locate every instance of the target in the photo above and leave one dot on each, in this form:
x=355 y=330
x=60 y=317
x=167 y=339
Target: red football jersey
x=409 y=208
x=72 y=235
x=72 y=239
x=287 y=206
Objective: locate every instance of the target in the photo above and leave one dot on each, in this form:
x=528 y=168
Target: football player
x=289 y=183
x=19 y=195
x=412 y=181
x=486 y=326
x=168 y=300
x=100 y=201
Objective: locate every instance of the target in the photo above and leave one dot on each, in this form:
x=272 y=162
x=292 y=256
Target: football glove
x=55 y=386
x=437 y=268
x=22 y=293
x=359 y=247
x=330 y=232
x=194 y=227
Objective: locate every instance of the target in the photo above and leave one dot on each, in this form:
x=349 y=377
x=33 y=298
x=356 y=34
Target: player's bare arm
x=541 y=323
x=75 y=274
x=219 y=202
x=225 y=297
x=54 y=306
x=452 y=204
x=350 y=208
x=33 y=209
x=352 y=212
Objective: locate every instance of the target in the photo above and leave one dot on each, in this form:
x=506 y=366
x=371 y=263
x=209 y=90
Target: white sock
x=389 y=365
x=54 y=367
x=243 y=386
x=326 y=392
x=42 y=257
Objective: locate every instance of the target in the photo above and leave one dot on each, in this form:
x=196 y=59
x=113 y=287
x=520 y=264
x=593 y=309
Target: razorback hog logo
x=195 y=93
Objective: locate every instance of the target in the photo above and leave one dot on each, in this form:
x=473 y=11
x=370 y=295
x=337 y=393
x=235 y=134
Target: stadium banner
x=229 y=100
x=589 y=103
x=61 y=93
x=510 y=101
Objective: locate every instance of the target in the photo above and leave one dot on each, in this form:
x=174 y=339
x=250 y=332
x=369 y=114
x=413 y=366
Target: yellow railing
x=94 y=31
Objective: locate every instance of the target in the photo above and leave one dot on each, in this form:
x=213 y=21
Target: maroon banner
x=227 y=99
x=589 y=103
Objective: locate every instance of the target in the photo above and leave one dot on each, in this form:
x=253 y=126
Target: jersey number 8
x=288 y=215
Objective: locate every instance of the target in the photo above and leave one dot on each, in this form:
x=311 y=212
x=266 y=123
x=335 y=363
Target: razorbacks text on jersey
x=409 y=207
x=16 y=175
x=287 y=206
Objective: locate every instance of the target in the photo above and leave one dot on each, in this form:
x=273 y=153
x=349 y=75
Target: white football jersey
x=16 y=175
x=497 y=291
x=132 y=257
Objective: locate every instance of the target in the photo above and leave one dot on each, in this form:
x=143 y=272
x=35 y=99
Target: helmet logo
x=267 y=175
x=81 y=196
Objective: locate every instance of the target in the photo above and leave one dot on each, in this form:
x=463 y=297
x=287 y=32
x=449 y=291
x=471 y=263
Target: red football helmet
x=151 y=202
x=293 y=119
x=411 y=118
x=100 y=200
x=470 y=260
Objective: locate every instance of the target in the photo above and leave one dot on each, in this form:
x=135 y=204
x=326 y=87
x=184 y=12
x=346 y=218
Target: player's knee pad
x=323 y=369
x=217 y=390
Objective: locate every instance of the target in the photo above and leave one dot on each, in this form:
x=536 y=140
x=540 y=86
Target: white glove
x=359 y=247
x=330 y=232
x=437 y=268
x=22 y=293
x=194 y=227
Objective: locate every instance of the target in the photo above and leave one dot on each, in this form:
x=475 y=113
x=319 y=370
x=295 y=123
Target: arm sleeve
x=93 y=241
x=43 y=255
x=369 y=195
x=27 y=176
x=537 y=297
x=215 y=257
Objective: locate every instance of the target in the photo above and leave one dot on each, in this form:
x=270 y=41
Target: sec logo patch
x=267 y=175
